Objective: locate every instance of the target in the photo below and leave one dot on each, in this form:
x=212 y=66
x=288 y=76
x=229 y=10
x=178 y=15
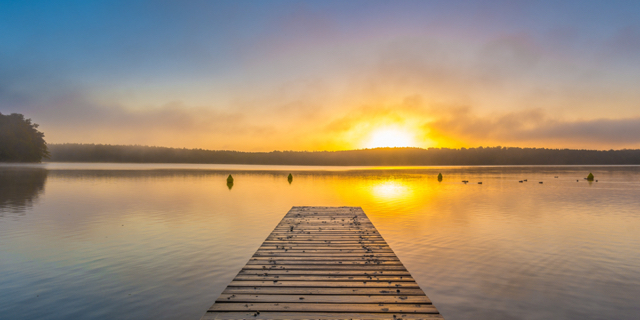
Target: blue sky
x=316 y=75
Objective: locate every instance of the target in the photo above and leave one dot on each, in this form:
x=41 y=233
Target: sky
x=325 y=75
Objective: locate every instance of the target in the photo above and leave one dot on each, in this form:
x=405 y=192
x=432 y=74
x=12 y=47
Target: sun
x=390 y=137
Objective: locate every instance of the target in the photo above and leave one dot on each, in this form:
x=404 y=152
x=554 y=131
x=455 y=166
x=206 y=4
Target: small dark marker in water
x=540 y=182
x=520 y=181
x=480 y=182
x=229 y=182
x=290 y=178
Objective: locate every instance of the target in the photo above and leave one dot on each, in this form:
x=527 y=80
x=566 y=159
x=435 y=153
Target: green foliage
x=20 y=141
x=439 y=176
x=590 y=177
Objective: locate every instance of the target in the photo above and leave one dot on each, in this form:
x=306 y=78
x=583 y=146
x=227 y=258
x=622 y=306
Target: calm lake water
x=127 y=241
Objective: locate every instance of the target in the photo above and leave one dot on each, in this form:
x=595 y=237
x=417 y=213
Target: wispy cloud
x=533 y=128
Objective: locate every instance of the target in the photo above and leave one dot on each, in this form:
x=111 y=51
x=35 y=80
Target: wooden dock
x=323 y=263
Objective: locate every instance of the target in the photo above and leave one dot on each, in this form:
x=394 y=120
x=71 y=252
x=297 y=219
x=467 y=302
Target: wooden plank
x=323 y=307
x=371 y=267
x=326 y=246
x=323 y=263
x=323 y=242
x=284 y=257
x=284 y=298
x=324 y=291
x=288 y=277
x=315 y=315
x=327 y=249
x=325 y=284
x=328 y=253
x=358 y=272
x=332 y=237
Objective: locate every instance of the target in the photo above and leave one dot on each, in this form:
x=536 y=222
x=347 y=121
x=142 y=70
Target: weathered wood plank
x=324 y=291
x=288 y=277
x=333 y=237
x=323 y=263
x=315 y=315
x=277 y=298
x=326 y=253
x=323 y=242
x=370 y=267
x=327 y=249
x=323 y=307
x=284 y=257
x=327 y=246
x=359 y=272
x=325 y=284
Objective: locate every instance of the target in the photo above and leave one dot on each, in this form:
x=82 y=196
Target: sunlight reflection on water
x=162 y=241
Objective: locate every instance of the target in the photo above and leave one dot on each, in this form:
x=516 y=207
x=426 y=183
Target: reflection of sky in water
x=130 y=243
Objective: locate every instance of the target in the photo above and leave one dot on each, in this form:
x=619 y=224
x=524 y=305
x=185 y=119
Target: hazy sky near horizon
x=325 y=75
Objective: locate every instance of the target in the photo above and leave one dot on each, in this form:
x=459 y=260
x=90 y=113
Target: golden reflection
x=391 y=190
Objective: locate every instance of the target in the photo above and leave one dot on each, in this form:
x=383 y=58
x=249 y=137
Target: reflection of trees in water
x=19 y=188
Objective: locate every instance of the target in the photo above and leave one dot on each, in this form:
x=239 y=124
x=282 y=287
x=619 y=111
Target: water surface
x=136 y=241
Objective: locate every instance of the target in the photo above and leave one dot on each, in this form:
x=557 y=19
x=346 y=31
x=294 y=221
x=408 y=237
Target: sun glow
x=390 y=137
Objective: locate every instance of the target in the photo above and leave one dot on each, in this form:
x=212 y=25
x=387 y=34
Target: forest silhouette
x=364 y=157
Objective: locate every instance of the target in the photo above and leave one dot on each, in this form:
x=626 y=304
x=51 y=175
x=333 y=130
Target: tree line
x=365 y=157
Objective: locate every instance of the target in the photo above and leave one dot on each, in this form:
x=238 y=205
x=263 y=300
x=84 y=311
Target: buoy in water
x=290 y=178
x=229 y=182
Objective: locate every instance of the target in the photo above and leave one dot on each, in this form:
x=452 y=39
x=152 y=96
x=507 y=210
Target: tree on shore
x=20 y=141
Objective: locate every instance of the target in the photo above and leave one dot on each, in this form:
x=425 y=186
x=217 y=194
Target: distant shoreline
x=489 y=156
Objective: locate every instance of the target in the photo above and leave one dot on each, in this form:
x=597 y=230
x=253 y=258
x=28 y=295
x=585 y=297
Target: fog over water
x=141 y=241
